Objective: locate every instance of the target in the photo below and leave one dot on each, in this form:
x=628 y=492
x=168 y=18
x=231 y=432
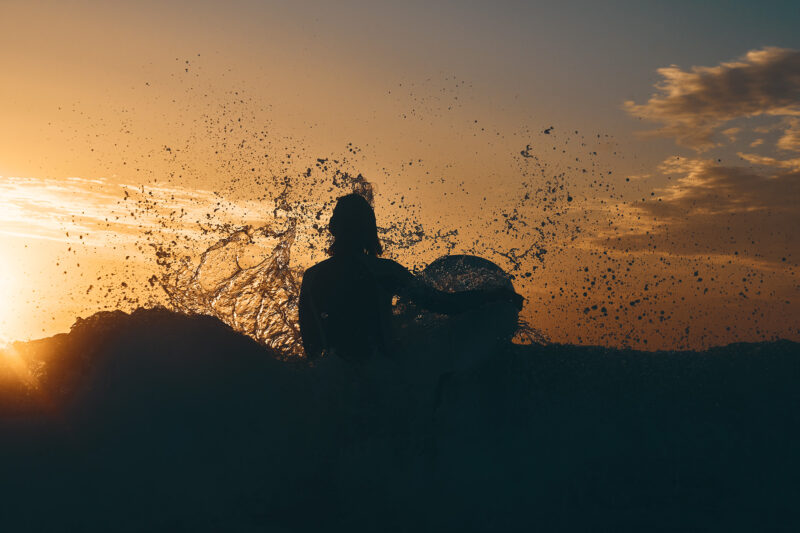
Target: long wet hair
x=353 y=227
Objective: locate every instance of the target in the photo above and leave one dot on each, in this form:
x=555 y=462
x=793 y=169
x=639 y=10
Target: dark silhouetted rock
x=157 y=421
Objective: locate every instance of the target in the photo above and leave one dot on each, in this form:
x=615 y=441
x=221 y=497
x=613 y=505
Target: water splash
x=246 y=278
x=258 y=300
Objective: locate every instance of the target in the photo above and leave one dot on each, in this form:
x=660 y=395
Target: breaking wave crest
x=259 y=300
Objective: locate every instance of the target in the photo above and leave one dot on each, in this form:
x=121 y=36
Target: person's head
x=353 y=227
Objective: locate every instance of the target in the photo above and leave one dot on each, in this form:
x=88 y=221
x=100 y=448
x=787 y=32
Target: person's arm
x=310 y=328
x=449 y=303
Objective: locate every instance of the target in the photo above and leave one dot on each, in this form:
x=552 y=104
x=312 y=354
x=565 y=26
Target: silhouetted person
x=346 y=300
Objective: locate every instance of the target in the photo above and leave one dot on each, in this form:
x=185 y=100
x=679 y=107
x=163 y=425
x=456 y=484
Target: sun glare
x=17 y=365
x=7 y=281
x=10 y=359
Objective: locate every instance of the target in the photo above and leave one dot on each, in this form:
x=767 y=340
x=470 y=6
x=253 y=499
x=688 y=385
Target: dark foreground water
x=157 y=421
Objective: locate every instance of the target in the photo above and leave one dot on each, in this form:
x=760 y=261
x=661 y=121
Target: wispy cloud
x=790 y=164
x=96 y=210
x=693 y=105
x=713 y=188
x=723 y=210
x=731 y=133
x=791 y=136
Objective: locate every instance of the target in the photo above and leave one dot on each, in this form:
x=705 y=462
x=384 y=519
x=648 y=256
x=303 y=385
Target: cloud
x=99 y=211
x=791 y=136
x=717 y=209
x=712 y=188
x=791 y=164
x=692 y=105
x=731 y=133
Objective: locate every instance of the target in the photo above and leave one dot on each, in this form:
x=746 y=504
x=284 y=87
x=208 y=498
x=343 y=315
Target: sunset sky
x=669 y=131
